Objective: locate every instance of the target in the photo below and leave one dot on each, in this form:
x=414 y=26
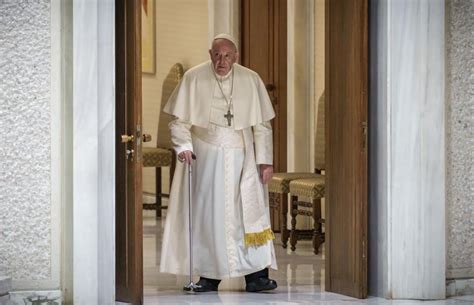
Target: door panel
x=129 y=236
x=346 y=149
x=263 y=49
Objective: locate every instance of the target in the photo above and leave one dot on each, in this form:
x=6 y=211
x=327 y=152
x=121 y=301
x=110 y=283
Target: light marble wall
x=460 y=139
x=94 y=152
x=29 y=204
x=407 y=164
x=417 y=144
x=181 y=36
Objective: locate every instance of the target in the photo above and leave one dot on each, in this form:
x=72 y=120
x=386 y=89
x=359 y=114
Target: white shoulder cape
x=191 y=100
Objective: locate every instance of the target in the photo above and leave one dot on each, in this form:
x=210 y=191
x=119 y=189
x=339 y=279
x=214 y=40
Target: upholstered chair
x=312 y=190
x=279 y=185
x=306 y=193
x=163 y=154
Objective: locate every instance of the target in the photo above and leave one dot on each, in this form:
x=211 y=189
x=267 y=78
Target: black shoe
x=261 y=284
x=206 y=285
x=256 y=275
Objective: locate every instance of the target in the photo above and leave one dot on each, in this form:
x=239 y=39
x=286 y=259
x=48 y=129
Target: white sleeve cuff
x=263 y=143
x=184 y=147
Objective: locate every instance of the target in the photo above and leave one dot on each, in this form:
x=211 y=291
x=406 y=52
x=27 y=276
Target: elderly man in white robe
x=222 y=112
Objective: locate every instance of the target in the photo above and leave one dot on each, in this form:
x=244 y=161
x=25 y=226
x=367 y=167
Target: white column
x=94 y=152
x=407 y=164
x=300 y=86
x=224 y=17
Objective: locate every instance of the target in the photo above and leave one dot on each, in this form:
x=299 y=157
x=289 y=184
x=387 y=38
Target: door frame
x=131 y=56
x=86 y=89
x=129 y=186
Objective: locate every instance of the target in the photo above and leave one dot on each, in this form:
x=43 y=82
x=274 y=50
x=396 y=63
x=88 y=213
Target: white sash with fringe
x=255 y=218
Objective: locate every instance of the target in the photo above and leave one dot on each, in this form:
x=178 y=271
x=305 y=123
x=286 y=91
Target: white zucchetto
x=226 y=37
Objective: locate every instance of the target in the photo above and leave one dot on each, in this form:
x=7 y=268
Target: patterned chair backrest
x=169 y=84
x=320 y=140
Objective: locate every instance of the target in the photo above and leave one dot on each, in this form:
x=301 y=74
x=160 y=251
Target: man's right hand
x=186 y=156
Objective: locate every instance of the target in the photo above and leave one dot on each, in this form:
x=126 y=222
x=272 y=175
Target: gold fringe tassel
x=258 y=239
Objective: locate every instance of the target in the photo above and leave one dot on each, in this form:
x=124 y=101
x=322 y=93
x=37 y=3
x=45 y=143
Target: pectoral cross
x=228 y=116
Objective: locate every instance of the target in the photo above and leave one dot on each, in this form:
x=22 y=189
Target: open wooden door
x=129 y=226
x=264 y=50
x=346 y=146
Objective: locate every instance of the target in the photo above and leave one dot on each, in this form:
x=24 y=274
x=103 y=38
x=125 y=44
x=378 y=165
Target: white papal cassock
x=230 y=204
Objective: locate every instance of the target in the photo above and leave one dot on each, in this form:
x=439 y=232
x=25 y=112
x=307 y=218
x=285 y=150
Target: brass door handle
x=127 y=138
x=146 y=137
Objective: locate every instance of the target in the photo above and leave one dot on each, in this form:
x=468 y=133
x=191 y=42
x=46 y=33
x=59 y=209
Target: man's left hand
x=266 y=172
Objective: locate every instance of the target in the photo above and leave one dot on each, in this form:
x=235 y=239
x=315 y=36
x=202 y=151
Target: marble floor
x=300 y=279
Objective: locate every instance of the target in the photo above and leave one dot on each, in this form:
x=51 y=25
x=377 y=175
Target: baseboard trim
x=26 y=297
x=5 y=285
x=459 y=287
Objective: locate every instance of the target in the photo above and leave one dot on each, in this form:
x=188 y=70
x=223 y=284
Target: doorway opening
x=175 y=36
x=171 y=42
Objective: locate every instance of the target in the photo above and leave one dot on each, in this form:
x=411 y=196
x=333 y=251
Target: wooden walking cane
x=191 y=286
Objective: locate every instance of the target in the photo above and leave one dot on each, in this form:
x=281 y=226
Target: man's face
x=223 y=56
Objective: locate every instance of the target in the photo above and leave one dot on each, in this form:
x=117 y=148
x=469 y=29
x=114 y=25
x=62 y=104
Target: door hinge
x=364 y=249
x=364 y=135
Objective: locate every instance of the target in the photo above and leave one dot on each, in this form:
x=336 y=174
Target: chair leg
x=317 y=234
x=285 y=234
x=275 y=218
x=158 y=191
x=294 y=233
